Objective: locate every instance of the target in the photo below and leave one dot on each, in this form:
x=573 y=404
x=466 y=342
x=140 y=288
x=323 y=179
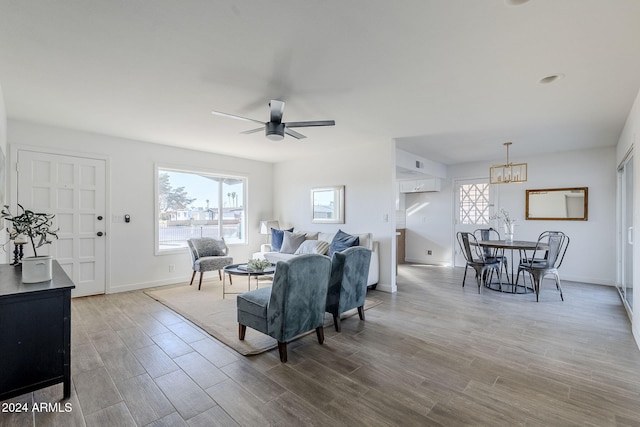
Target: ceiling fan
x=275 y=128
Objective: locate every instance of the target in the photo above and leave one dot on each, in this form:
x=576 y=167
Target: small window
x=474 y=204
x=195 y=204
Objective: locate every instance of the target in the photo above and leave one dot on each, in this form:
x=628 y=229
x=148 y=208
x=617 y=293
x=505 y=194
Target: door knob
x=99 y=217
x=100 y=233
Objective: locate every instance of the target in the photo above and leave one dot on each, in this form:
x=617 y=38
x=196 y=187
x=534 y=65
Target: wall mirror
x=558 y=204
x=327 y=205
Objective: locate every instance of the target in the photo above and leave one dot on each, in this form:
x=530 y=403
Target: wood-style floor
x=433 y=354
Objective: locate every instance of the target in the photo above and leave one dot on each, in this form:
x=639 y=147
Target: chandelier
x=508 y=172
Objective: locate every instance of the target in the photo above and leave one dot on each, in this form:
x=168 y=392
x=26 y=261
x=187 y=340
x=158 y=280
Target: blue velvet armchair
x=348 y=282
x=293 y=305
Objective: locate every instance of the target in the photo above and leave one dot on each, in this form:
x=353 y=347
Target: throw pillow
x=291 y=242
x=276 y=238
x=342 y=241
x=313 y=247
x=322 y=247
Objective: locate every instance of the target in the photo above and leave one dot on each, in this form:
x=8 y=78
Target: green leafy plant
x=258 y=264
x=37 y=226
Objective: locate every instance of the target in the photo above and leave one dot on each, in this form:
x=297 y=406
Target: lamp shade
x=266 y=226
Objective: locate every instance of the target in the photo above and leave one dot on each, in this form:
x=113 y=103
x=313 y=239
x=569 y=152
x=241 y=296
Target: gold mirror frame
x=558 y=204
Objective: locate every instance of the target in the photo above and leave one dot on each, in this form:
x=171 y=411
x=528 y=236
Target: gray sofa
x=366 y=240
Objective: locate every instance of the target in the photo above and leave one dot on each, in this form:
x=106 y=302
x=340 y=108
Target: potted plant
x=257 y=265
x=38 y=229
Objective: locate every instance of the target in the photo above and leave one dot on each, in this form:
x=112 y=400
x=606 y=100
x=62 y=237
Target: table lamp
x=266 y=226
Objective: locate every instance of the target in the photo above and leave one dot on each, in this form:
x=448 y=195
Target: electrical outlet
x=429 y=252
x=171 y=268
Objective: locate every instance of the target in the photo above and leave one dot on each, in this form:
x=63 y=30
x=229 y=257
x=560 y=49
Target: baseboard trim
x=385 y=287
x=582 y=279
x=592 y=280
x=143 y=285
x=425 y=262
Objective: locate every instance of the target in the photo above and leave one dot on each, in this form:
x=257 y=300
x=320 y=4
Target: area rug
x=217 y=316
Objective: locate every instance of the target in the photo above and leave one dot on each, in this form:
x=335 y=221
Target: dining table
x=522 y=246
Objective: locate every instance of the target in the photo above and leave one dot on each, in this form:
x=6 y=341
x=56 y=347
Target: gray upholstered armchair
x=208 y=254
x=348 y=283
x=293 y=305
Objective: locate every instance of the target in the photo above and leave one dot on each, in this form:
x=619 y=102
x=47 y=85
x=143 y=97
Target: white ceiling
x=450 y=79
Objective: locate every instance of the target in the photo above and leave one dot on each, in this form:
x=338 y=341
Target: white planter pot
x=36 y=269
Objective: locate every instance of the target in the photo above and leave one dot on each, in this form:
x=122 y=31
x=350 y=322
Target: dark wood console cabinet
x=35 y=332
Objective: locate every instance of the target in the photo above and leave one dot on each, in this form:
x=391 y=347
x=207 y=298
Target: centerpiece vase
x=509 y=228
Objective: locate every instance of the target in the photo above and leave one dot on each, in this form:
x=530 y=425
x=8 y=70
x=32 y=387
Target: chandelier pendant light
x=508 y=172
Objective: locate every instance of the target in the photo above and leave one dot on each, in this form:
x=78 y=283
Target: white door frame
x=12 y=178
x=625 y=234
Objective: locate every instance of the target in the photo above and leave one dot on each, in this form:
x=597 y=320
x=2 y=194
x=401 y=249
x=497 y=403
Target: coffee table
x=243 y=270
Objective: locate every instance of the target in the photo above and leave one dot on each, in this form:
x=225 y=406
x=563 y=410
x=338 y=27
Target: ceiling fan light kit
x=508 y=172
x=275 y=128
x=274 y=131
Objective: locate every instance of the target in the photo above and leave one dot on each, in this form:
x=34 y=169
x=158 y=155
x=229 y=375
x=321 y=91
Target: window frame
x=486 y=207
x=158 y=167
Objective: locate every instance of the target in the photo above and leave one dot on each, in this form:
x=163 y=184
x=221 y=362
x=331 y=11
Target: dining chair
x=476 y=259
x=542 y=254
x=554 y=245
x=491 y=253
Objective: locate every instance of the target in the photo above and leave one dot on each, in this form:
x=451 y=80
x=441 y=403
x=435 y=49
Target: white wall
x=628 y=139
x=3 y=165
x=422 y=212
x=132 y=263
x=407 y=162
x=368 y=176
x=591 y=254
x=3 y=124
x=4 y=188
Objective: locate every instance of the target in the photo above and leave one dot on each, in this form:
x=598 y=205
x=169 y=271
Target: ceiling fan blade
x=294 y=134
x=277 y=109
x=247 y=132
x=231 y=116
x=311 y=123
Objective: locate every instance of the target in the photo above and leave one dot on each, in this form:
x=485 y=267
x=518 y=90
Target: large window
x=196 y=204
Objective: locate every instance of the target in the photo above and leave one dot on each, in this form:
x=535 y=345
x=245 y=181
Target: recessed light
x=515 y=2
x=550 y=79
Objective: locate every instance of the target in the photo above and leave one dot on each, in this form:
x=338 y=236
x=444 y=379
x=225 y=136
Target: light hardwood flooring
x=432 y=354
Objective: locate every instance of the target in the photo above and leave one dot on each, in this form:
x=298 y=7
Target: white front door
x=72 y=188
